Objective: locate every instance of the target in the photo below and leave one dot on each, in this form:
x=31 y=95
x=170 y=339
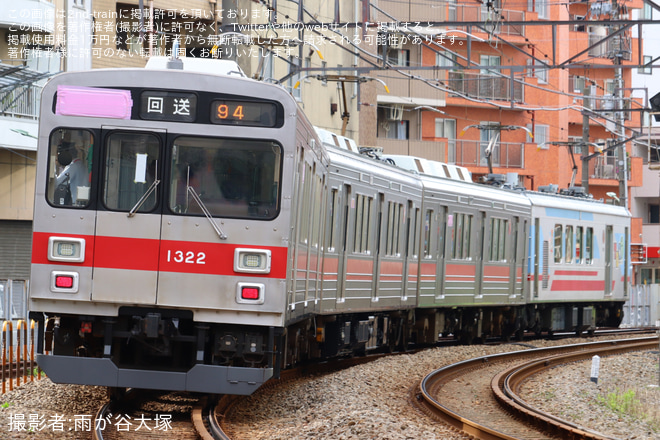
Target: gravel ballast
x=370 y=401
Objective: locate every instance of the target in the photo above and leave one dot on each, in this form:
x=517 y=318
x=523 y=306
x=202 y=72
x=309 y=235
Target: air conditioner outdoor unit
x=395 y=113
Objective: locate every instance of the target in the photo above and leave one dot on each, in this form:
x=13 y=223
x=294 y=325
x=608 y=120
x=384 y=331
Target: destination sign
x=168 y=106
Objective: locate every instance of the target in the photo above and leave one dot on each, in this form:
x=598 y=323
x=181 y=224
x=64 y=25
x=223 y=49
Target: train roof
x=430 y=167
x=347 y=159
x=199 y=65
x=544 y=200
x=475 y=191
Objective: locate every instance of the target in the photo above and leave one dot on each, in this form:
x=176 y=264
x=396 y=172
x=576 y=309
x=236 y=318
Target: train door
x=319 y=217
x=609 y=245
x=302 y=223
x=312 y=218
x=345 y=229
x=128 y=223
x=515 y=271
x=535 y=250
x=410 y=264
x=377 y=246
x=441 y=267
x=482 y=240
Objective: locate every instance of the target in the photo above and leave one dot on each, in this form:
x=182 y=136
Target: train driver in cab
x=72 y=181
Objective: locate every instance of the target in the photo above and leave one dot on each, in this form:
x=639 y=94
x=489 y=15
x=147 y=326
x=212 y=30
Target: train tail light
x=64 y=282
x=66 y=249
x=250 y=293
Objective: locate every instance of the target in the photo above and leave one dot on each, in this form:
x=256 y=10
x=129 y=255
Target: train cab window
x=558 y=243
x=236 y=178
x=70 y=173
x=131 y=168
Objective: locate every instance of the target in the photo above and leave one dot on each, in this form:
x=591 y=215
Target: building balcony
x=21 y=102
x=26 y=16
x=432 y=150
x=450 y=12
x=484 y=86
x=472 y=154
x=604 y=171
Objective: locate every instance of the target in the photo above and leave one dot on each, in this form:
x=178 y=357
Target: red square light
x=250 y=293
x=63 y=282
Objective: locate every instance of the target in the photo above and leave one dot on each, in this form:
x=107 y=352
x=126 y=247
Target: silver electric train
x=192 y=231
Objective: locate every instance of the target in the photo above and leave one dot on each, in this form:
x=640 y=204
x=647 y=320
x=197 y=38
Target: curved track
x=142 y=414
x=508 y=371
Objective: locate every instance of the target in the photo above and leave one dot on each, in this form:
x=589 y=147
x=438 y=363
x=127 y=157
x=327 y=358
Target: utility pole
x=619 y=117
x=586 y=103
x=229 y=20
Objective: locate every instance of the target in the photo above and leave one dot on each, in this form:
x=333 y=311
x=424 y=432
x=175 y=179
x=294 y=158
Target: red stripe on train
x=164 y=255
x=579 y=285
x=576 y=273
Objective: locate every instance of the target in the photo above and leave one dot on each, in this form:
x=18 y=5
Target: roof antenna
x=175 y=62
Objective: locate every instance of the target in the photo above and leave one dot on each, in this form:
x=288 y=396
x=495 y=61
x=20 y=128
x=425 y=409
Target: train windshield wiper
x=206 y=212
x=140 y=202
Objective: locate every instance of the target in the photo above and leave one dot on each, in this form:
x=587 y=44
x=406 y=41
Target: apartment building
x=264 y=41
x=440 y=80
x=532 y=79
x=645 y=203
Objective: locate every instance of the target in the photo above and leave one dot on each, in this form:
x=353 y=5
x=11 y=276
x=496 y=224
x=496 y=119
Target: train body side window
x=588 y=249
x=363 y=209
x=428 y=226
x=569 y=244
x=579 y=235
x=498 y=229
x=334 y=211
x=558 y=243
x=462 y=235
x=70 y=173
x=394 y=213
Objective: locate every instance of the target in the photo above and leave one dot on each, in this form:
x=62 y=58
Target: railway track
x=488 y=388
x=136 y=416
x=206 y=419
x=151 y=415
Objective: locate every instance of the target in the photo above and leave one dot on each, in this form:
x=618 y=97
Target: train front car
x=579 y=265
x=161 y=227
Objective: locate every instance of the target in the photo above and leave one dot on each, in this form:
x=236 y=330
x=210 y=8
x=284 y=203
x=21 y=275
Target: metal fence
x=642 y=309
x=13 y=299
x=472 y=153
x=21 y=101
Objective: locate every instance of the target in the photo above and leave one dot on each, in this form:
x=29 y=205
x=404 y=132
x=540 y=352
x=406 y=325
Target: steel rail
x=506 y=387
x=434 y=380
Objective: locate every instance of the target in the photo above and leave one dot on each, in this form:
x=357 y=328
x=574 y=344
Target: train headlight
x=66 y=249
x=252 y=260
